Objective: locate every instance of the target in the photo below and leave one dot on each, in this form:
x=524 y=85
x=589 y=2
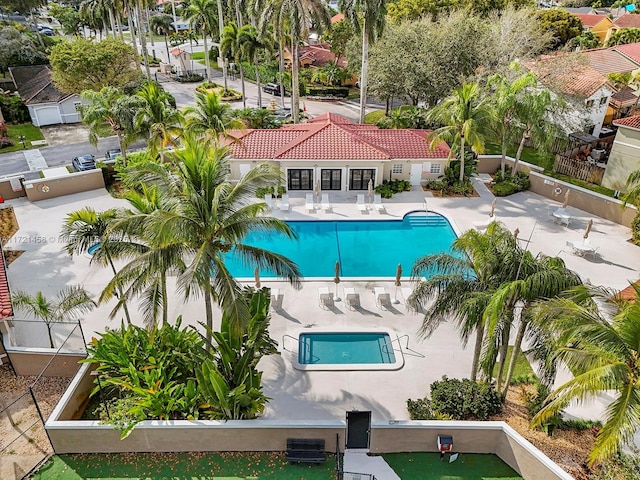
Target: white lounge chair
x=308 y=203
x=268 y=199
x=383 y=299
x=362 y=206
x=562 y=216
x=284 y=203
x=325 y=298
x=351 y=298
x=377 y=203
x=326 y=206
x=276 y=302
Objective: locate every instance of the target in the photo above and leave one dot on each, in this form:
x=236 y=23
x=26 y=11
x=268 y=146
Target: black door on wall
x=331 y=179
x=358 y=429
x=300 y=179
x=359 y=178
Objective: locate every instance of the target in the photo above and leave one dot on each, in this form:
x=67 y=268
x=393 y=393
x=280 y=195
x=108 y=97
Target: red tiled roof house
x=341 y=155
x=599 y=25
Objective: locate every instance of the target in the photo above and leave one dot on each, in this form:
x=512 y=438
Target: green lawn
x=419 y=466
x=376 y=115
x=522 y=369
x=192 y=466
x=29 y=130
x=259 y=466
x=529 y=155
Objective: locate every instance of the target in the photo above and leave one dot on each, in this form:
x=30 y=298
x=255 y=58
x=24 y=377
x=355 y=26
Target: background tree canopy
x=83 y=64
x=19 y=49
x=563 y=25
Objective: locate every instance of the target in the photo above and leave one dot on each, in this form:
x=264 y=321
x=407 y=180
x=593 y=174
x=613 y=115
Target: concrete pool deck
x=47 y=267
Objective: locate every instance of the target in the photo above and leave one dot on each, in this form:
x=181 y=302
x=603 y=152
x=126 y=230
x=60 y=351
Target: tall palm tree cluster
x=491 y=287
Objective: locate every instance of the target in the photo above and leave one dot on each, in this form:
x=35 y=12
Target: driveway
x=65 y=134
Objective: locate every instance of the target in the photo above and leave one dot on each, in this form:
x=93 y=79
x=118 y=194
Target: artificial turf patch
x=192 y=466
x=468 y=466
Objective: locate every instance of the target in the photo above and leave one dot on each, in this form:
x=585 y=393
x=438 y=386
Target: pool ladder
x=385 y=350
x=295 y=352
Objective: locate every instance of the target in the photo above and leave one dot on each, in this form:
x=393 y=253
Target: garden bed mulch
x=567 y=448
x=439 y=194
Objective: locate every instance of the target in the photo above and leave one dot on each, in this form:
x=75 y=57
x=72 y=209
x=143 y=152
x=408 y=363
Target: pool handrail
x=295 y=352
x=417 y=354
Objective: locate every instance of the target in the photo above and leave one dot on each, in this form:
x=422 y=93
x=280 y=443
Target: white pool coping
x=294 y=339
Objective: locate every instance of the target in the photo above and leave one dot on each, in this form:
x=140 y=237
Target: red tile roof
x=590 y=19
x=629 y=293
x=628 y=20
x=629 y=122
x=609 y=60
x=6 y=310
x=333 y=137
x=338 y=17
x=630 y=50
x=319 y=55
x=558 y=72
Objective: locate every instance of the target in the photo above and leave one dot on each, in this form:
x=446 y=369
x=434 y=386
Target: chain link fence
x=27 y=400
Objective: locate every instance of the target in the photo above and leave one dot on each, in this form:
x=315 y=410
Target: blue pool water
x=345 y=348
x=364 y=248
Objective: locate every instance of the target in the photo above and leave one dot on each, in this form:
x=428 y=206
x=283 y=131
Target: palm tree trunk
x=209 y=313
x=112 y=21
x=166 y=44
x=525 y=135
x=50 y=336
x=123 y=150
x=503 y=160
x=132 y=29
x=119 y=23
x=477 y=350
x=504 y=349
x=220 y=28
x=514 y=354
x=461 y=158
x=124 y=304
x=244 y=95
x=364 y=72
x=143 y=39
x=258 y=82
x=206 y=55
x=165 y=300
x=295 y=86
x=281 y=71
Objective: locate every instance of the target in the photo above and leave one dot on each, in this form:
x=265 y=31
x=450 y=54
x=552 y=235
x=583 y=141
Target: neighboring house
x=628 y=20
x=599 y=25
x=180 y=26
x=183 y=59
x=317 y=55
x=586 y=90
x=47 y=105
x=625 y=154
x=338 y=154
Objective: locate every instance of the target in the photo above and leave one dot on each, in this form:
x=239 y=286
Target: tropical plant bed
x=230 y=95
x=567 y=448
x=441 y=194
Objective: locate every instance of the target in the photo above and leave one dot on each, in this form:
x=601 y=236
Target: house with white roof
x=341 y=155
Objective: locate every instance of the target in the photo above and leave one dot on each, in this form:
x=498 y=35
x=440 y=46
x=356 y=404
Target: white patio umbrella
x=566 y=199
x=370 y=190
x=588 y=229
x=256 y=275
x=398 y=282
x=516 y=232
x=336 y=280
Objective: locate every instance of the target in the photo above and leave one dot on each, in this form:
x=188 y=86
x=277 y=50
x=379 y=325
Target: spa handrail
x=384 y=350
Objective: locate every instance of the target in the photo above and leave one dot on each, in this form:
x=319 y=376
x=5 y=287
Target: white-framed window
x=76 y=105
x=426 y=167
x=589 y=103
x=604 y=100
x=397 y=168
x=435 y=168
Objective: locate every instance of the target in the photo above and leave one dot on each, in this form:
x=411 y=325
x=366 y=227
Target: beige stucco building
x=625 y=154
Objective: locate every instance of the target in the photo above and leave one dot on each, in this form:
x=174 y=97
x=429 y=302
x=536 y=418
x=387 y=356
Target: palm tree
x=250 y=45
x=460 y=285
x=161 y=24
x=597 y=335
x=536 y=278
x=200 y=16
x=210 y=117
x=230 y=46
x=157 y=119
x=535 y=112
x=110 y=111
x=210 y=217
x=368 y=18
x=145 y=275
x=86 y=227
x=298 y=17
x=68 y=305
x=465 y=117
x=504 y=99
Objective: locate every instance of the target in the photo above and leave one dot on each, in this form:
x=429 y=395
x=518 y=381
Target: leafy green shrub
x=14 y=109
x=529 y=379
x=262 y=191
x=191 y=78
x=580 y=425
x=204 y=86
x=635 y=229
x=420 y=409
x=314 y=91
x=463 y=399
x=505 y=188
x=386 y=189
x=6 y=142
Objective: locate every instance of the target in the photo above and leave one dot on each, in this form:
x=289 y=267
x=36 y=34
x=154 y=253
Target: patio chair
x=308 y=203
x=377 y=203
x=326 y=206
x=276 y=301
x=362 y=206
x=268 y=199
x=562 y=216
x=383 y=299
x=325 y=298
x=351 y=298
x=284 y=203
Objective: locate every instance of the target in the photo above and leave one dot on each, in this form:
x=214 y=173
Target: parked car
x=112 y=154
x=82 y=163
x=272 y=88
x=49 y=32
x=123 y=28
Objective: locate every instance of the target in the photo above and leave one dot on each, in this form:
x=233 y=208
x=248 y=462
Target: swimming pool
x=351 y=349
x=364 y=248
